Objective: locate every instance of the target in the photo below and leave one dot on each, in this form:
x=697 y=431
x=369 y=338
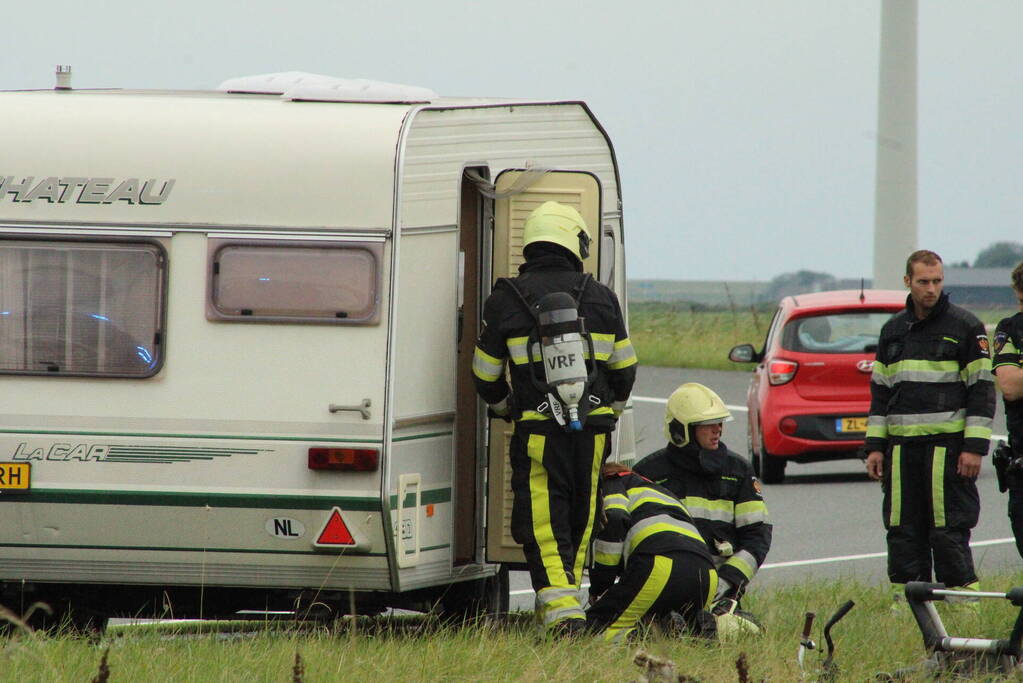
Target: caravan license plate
x=15 y=476
x=851 y=424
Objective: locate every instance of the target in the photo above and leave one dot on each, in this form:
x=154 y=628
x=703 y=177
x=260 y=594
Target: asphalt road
x=826 y=516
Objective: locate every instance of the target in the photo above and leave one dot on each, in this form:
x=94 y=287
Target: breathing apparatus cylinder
x=563 y=343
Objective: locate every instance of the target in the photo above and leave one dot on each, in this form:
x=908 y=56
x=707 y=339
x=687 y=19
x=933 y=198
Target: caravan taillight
x=344 y=459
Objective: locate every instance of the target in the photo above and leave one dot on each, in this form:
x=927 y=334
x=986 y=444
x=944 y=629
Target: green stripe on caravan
x=173 y=499
x=428 y=497
x=224 y=500
x=178 y=549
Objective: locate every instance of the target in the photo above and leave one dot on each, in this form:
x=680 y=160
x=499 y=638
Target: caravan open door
x=582 y=191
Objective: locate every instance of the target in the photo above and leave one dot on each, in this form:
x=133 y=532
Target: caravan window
x=81 y=308
x=299 y=282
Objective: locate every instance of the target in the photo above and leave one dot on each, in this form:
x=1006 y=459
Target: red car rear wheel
x=771 y=468
x=753 y=459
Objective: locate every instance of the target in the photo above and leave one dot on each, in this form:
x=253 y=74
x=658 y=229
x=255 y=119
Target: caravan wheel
x=65 y=618
x=480 y=598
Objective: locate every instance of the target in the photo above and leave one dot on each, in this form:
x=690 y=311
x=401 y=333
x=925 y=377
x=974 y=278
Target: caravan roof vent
x=63 y=77
x=267 y=84
x=297 y=85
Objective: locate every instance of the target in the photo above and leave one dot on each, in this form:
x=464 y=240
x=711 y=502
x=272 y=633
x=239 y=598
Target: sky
x=745 y=132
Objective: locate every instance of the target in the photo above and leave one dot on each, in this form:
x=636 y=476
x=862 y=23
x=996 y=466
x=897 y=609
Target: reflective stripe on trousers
x=644 y=600
x=653 y=585
x=929 y=510
x=936 y=493
x=554 y=481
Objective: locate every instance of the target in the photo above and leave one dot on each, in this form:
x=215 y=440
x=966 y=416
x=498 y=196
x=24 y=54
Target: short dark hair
x=924 y=256
x=1017 y=277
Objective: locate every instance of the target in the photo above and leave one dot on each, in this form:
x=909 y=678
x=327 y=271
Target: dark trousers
x=1015 y=482
x=653 y=585
x=554 y=482
x=928 y=511
x=1016 y=509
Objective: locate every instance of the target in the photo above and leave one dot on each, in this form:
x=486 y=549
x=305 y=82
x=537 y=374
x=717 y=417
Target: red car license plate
x=851 y=424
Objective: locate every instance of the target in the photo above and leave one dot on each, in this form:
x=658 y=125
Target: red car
x=810 y=393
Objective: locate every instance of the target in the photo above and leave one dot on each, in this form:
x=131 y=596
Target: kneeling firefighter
x=572 y=368
x=717 y=486
x=648 y=538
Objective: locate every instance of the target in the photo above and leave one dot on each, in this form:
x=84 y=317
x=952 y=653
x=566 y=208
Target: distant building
x=718 y=293
x=980 y=287
x=710 y=293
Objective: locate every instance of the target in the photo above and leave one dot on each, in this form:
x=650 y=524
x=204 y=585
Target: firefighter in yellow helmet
x=561 y=336
x=717 y=486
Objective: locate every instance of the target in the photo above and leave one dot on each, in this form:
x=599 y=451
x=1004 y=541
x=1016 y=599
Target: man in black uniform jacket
x=1008 y=369
x=716 y=485
x=555 y=470
x=932 y=403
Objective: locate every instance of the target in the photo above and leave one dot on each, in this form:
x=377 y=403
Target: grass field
x=870 y=639
x=667 y=335
x=677 y=335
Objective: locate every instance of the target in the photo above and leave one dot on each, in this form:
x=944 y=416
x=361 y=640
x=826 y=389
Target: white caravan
x=236 y=333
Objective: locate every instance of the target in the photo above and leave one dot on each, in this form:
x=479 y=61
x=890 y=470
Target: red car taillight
x=781 y=371
x=344 y=459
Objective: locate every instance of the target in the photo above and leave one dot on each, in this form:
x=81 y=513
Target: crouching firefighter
x=717 y=486
x=571 y=368
x=648 y=538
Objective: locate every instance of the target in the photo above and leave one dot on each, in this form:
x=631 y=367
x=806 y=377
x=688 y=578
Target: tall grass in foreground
x=666 y=335
x=870 y=639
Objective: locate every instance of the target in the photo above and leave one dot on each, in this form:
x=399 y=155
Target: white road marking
x=827 y=560
x=867 y=556
x=648 y=399
x=664 y=401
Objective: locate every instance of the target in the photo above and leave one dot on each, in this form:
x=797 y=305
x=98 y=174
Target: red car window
x=852 y=332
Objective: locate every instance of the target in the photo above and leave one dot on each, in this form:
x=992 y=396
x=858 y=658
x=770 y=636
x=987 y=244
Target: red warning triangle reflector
x=335 y=531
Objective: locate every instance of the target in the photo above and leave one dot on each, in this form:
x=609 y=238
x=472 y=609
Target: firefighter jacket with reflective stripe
x=723 y=496
x=508 y=325
x=639 y=518
x=932 y=380
x=1006 y=348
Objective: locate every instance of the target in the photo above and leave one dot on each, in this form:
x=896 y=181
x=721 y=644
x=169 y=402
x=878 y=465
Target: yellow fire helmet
x=690 y=405
x=558 y=224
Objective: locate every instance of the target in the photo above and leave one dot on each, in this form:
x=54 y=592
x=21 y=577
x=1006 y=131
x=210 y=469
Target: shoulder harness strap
x=520 y=296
